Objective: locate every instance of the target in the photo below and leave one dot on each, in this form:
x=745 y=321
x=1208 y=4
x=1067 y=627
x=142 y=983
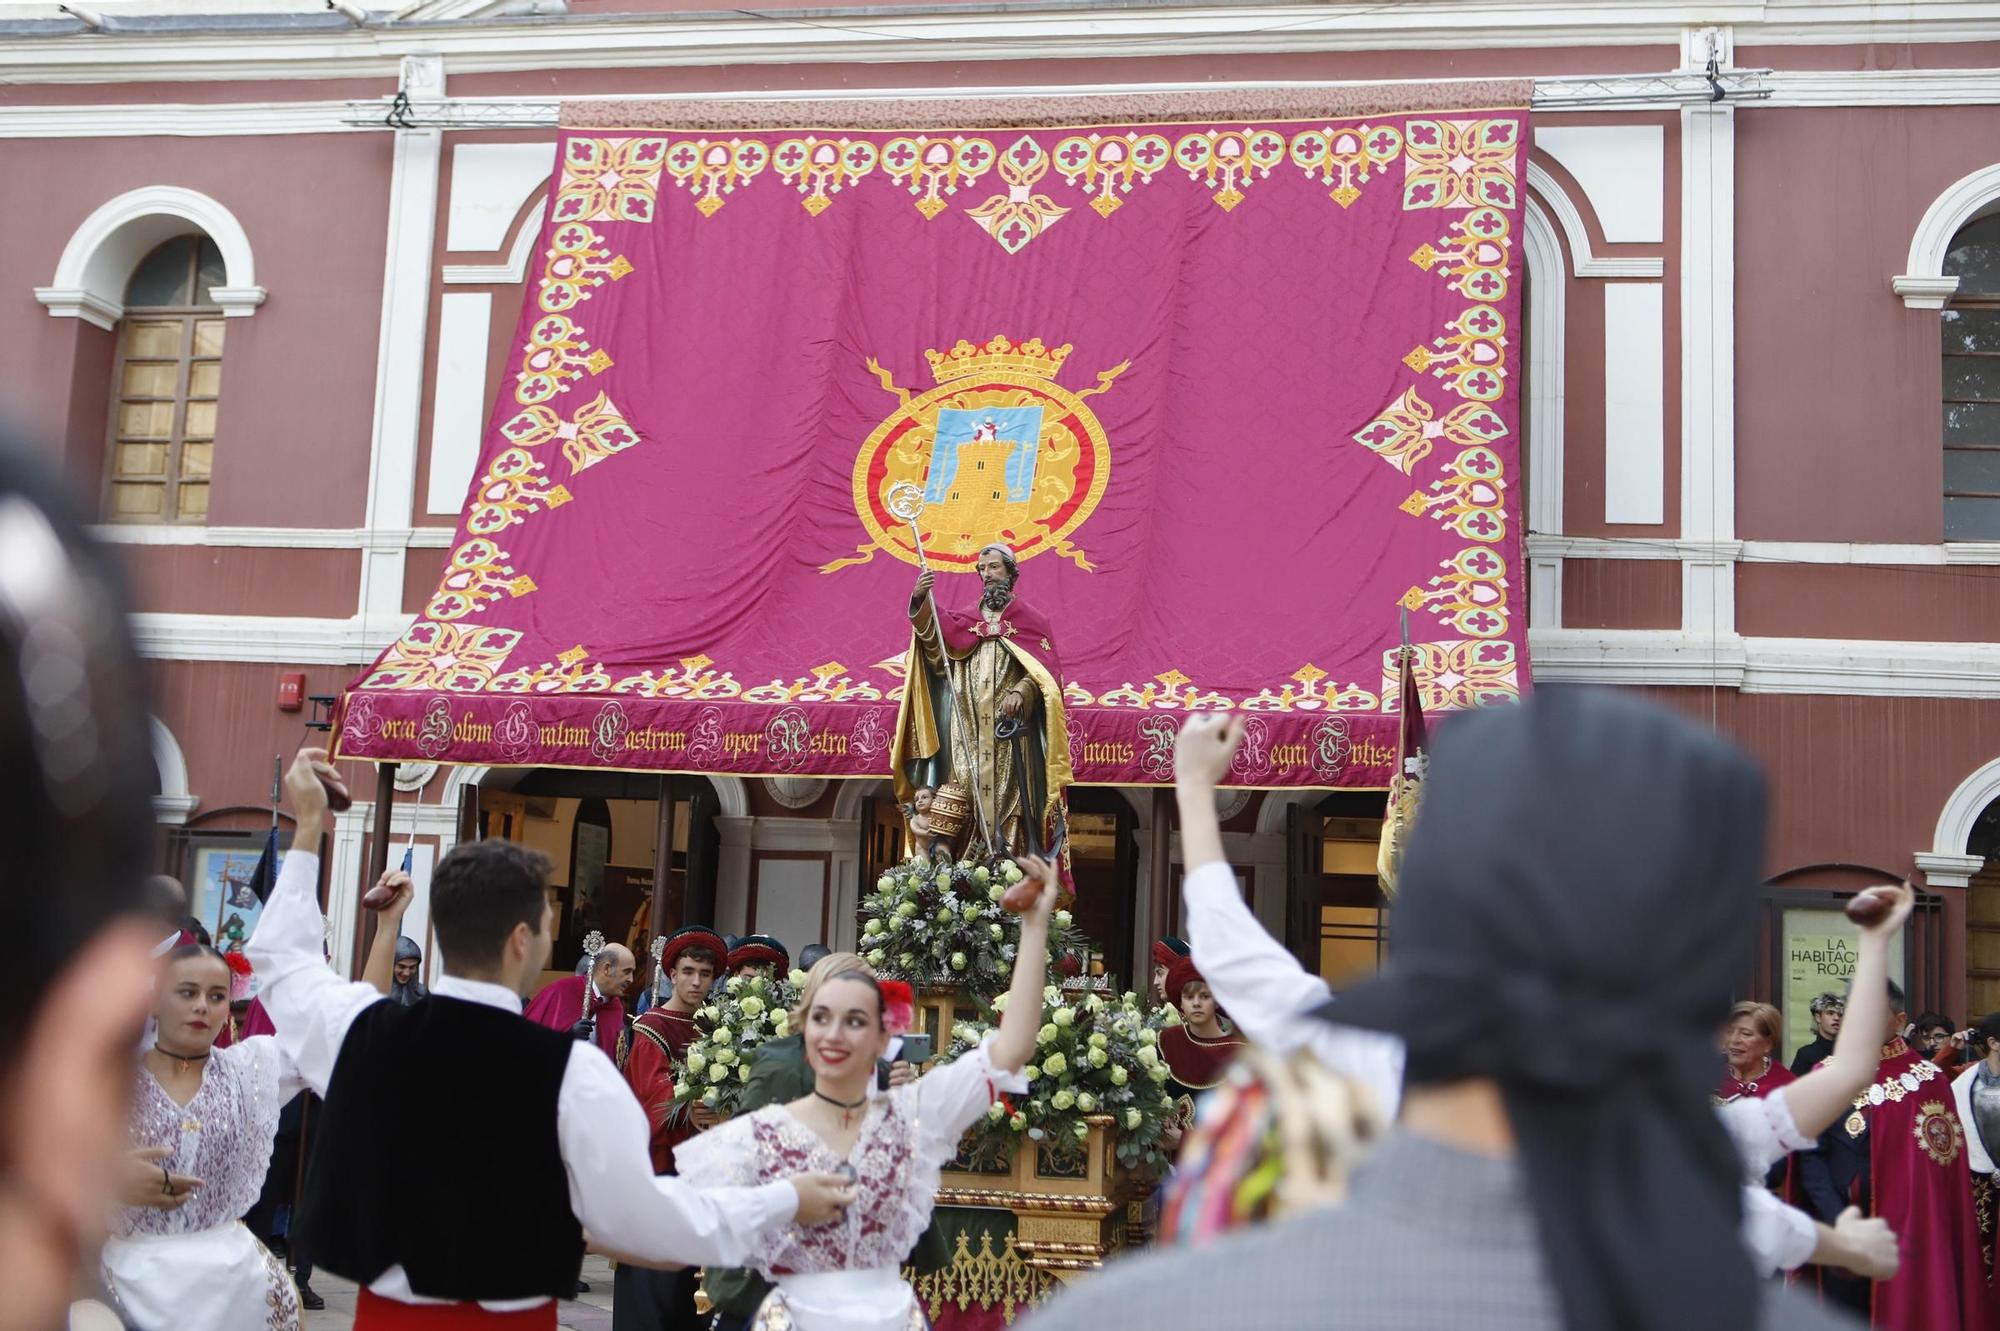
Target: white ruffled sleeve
x=948 y=1100
x=1764 y=1132
x=724 y=1156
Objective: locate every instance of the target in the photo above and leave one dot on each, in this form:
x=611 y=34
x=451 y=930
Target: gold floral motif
x=1471 y=356
x=513 y=487
x=478 y=573
x=821 y=168
x=1109 y=164
x=1408 y=428
x=1230 y=159
x=571 y=672
x=1346 y=158
x=984 y=1278
x=1468 y=498
x=1476 y=258
x=692 y=680
x=609 y=180
x=556 y=353
x=578 y=263
x=1470 y=595
x=1460 y=164
x=1454 y=674
x=712 y=168
x=828 y=683
x=936 y=168
x=450 y=658
x=1019 y=215
x=596 y=431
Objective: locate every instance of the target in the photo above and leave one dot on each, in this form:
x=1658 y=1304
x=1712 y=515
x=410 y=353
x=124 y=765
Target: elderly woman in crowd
x=1750 y=1048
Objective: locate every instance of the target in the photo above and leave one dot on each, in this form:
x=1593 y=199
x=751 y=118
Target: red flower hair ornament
x=899 y=1006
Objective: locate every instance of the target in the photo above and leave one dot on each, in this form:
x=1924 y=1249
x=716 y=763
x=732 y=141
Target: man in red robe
x=758 y=954
x=1200 y=1049
x=1900 y=1155
x=591 y=1006
x=969 y=672
x=690 y=958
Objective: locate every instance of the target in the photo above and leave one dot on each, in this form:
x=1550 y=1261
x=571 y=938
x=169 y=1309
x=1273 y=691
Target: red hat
x=694 y=935
x=1166 y=951
x=1180 y=975
x=758 y=950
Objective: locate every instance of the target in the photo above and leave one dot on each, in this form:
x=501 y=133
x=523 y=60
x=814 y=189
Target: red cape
x=1923 y=1188
x=1020 y=623
x=1197 y=1064
x=560 y=1006
x=660 y=1041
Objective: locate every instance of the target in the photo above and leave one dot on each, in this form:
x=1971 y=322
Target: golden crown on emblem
x=999 y=355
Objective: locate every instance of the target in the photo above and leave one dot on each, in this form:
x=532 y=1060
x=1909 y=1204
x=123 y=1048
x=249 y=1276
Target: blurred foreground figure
x=1557 y=1162
x=75 y=957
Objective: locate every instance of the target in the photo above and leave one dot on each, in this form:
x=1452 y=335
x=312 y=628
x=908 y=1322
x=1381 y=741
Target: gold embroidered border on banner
x=984 y=1278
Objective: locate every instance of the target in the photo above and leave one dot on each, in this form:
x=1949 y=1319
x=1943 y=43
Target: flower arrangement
x=940 y=922
x=744 y=1013
x=1094 y=1056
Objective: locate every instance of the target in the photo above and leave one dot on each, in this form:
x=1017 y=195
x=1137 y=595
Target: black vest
x=437 y=1152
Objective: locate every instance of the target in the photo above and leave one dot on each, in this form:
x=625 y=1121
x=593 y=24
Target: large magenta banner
x=1237 y=389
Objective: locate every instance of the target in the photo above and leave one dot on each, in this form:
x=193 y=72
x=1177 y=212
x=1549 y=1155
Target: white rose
x=798 y=977
x=1062 y=918
x=1065 y=1017
x=1063 y=1100
x=743 y=1072
x=752 y=1006
x=1148 y=1056
x=1132 y=1120
x=697 y=1061
x=723 y=1035
x=1086 y=1102
x=1031 y=1072
x=732 y=984
x=717 y=1072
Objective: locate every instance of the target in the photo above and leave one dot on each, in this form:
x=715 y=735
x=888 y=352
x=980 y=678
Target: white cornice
x=278 y=538
x=1756 y=665
x=1079 y=31
x=1788 y=88
x=1962 y=553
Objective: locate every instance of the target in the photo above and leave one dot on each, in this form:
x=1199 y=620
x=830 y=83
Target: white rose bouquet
x=1094 y=1055
x=939 y=922
x=743 y=1014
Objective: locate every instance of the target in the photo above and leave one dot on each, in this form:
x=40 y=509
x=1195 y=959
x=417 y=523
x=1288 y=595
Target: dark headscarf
x=1576 y=901
x=407 y=994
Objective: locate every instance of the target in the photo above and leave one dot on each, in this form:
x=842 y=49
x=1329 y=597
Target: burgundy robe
x=660 y=1041
x=1923 y=1188
x=560 y=1006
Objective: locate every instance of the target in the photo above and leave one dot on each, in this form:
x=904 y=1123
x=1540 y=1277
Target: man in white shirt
x=1282 y=1007
x=522 y=1141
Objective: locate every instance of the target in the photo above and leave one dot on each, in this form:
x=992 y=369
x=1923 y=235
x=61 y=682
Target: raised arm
x=380 y=971
x=1827 y=1092
x=1023 y=1017
x=1268 y=995
x=311 y=1007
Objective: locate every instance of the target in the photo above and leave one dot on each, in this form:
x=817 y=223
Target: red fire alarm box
x=291 y=691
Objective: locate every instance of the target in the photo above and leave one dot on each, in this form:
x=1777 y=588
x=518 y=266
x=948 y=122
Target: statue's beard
x=997 y=595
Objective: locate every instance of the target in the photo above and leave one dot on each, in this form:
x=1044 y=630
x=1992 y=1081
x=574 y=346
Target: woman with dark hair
x=76 y=956
x=1977 y=1093
x=180 y=1255
x=846 y=1275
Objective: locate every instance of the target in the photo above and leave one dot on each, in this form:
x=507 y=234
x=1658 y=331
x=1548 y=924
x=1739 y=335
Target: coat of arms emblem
x=998 y=449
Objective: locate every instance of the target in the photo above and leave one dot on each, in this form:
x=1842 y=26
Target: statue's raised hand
x=925 y=581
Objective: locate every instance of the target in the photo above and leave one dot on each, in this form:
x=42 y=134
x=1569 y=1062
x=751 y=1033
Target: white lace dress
x=196 y=1268
x=846 y=1275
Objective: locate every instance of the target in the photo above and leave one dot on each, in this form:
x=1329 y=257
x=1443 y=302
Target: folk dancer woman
x=208 y=1116
x=846 y=1275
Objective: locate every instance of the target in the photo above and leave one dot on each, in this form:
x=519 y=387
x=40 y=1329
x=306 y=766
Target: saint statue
x=970 y=671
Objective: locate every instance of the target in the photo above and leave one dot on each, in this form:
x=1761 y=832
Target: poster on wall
x=221 y=894
x=1820 y=946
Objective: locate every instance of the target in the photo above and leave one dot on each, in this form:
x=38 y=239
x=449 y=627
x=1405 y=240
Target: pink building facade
x=1762 y=477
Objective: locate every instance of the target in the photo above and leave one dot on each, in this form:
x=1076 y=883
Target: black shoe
x=583 y=1287
x=309 y=1300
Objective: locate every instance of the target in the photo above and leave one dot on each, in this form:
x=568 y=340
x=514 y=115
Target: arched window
x=165 y=387
x=1972 y=385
